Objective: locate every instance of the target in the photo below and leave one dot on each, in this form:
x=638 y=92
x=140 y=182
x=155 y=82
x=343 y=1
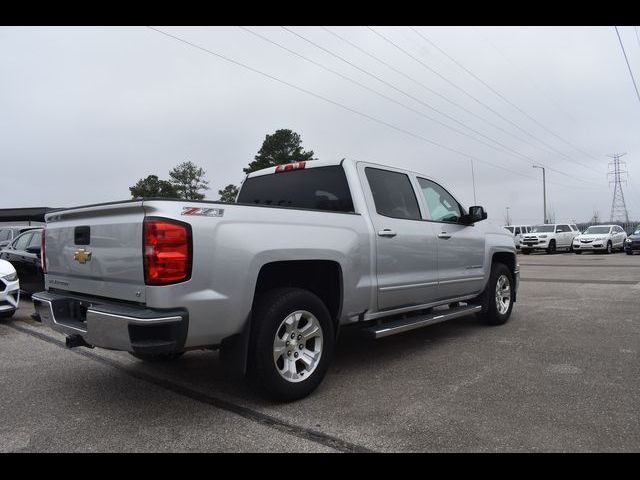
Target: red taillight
x=43 y=256
x=290 y=166
x=167 y=252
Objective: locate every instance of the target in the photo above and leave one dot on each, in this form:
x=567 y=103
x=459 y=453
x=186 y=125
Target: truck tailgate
x=97 y=250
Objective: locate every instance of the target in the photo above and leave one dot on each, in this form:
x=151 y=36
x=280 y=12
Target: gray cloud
x=86 y=111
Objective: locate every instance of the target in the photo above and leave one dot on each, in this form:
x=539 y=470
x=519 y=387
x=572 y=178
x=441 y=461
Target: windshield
x=510 y=229
x=597 y=230
x=543 y=229
x=637 y=232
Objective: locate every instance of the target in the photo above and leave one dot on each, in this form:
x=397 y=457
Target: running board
x=411 y=323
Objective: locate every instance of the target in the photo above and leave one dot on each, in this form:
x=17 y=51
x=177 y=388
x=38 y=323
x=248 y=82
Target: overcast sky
x=87 y=111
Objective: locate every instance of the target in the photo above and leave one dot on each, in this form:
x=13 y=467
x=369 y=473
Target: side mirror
x=35 y=250
x=476 y=214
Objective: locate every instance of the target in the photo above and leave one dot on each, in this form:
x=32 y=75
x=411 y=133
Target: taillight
x=43 y=256
x=167 y=251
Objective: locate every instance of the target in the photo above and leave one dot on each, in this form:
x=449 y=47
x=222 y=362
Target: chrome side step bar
x=419 y=321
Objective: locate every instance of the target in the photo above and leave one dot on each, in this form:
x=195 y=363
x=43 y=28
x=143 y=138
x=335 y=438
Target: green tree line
x=187 y=180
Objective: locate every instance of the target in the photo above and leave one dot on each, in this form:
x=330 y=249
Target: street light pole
x=544 y=192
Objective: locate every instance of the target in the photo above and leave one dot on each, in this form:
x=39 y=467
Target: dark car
x=633 y=242
x=24 y=254
x=7 y=234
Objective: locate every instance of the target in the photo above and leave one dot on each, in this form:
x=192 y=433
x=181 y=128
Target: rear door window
x=22 y=241
x=320 y=188
x=5 y=234
x=393 y=194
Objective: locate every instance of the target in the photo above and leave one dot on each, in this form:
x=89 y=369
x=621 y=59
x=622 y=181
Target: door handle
x=387 y=233
x=444 y=235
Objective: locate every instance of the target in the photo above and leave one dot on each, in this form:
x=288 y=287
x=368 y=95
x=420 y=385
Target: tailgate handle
x=82 y=235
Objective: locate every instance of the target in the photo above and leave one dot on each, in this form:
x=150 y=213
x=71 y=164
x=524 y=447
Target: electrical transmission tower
x=617 y=169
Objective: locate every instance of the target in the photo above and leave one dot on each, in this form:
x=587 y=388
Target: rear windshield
x=321 y=188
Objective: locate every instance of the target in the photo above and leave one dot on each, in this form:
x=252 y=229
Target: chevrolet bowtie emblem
x=82 y=255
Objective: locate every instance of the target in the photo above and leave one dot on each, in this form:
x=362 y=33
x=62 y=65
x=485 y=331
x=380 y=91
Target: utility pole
x=618 y=206
x=473 y=178
x=508 y=217
x=544 y=192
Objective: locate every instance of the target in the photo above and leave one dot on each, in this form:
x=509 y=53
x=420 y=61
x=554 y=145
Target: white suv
x=549 y=237
x=604 y=238
x=518 y=231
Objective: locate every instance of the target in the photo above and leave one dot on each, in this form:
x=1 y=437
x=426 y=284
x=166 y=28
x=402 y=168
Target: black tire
x=629 y=252
x=526 y=252
x=552 y=247
x=577 y=252
x=489 y=313
x=609 y=249
x=270 y=310
x=157 y=357
x=8 y=314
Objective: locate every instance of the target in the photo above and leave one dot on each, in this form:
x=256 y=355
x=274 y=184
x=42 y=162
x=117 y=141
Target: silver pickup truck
x=308 y=249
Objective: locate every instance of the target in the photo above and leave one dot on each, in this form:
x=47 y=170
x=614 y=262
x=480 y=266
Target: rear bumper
x=114 y=326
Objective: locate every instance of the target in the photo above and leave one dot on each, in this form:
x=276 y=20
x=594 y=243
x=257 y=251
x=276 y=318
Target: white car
x=604 y=238
x=9 y=289
x=549 y=237
x=518 y=231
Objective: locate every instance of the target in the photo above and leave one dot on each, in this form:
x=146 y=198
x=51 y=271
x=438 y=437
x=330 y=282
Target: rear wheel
x=498 y=297
x=292 y=342
x=157 y=357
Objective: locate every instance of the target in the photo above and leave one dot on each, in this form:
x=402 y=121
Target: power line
x=504 y=149
x=332 y=102
x=501 y=96
x=468 y=94
x=443 y=97
x=340 y=105
x=628 y=66
x=379 y=79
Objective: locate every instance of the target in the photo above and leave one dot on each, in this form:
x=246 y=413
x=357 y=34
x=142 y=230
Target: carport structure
x=31 y=214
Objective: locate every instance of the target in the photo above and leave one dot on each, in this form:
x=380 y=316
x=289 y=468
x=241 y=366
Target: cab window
x=393 y=194
x=442 y=206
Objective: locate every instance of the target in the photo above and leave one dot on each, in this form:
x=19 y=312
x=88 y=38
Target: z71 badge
x=207 y=212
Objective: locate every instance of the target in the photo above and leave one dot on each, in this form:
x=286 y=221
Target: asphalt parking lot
x=562 y=375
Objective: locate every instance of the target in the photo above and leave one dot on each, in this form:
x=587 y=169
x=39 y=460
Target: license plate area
x=71 y=312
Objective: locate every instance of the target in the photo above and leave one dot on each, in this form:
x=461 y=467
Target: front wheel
x=498 y=297
x=552 y=247
x=8 y=314
x=292 y=343
x=609 y=247
x=629 y=252
x=577 y=252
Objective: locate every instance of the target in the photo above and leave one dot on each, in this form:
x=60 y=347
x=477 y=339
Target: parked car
x=602 y=238
x=9 y=289
x=24 y=254
x=549 y=237
x=632 y=243
x=310 y=248
x=518 y=232
x=7 y=234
